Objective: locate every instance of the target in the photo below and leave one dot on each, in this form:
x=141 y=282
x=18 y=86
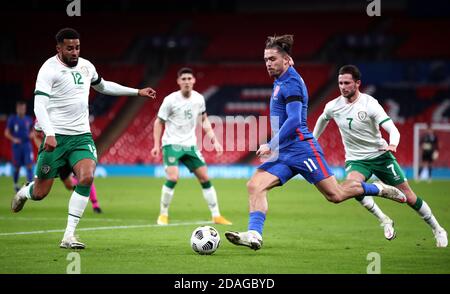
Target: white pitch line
x=106 y=228
x=13 y=218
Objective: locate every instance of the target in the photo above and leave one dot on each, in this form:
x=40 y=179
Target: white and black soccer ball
x=205 y=240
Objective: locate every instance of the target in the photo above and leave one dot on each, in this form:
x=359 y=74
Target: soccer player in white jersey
x=359 y=118
x=61 y=107
x=179 y=114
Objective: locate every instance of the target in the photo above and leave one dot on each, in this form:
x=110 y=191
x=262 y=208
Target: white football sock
x=77 y=204
x=427 y=215
x=371 y=206
x=166 y=199
x=27 y=190
x=211 y=198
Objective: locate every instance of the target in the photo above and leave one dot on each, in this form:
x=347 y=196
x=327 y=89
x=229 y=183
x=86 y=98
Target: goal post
x=442 y=131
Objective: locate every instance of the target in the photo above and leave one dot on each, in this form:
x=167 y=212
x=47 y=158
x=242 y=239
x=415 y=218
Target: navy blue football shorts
x=304 y=158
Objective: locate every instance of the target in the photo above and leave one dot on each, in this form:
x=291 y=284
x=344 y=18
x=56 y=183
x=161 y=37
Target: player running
x=61 y=107
x=293 y=149
x=359 y=117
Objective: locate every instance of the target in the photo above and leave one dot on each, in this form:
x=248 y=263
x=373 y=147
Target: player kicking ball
x=293 y=149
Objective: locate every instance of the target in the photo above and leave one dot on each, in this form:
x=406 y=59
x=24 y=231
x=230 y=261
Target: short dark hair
x=66 y=33
x=282 y=43
x=351 y=69
x=185 y=70
x=21 y=102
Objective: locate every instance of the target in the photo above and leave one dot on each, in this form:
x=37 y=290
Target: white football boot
x=19 y=199
x=251 y=239
x=388 y=227
x=441 y=237
x=71 y=242
x=390 y=192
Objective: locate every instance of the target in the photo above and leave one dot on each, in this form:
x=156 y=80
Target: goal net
x=441 y=164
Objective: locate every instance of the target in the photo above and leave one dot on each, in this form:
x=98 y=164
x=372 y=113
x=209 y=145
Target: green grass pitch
x=303 y=233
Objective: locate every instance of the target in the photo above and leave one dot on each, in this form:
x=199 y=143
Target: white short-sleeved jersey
x=68 y=92
x=359 y=124
x=181 y=115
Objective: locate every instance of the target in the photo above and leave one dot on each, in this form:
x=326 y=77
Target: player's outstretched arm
x=147 y=92
x=114 y=89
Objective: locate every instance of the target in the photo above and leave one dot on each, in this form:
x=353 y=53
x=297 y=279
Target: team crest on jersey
x=362 y=115
x=171 y=159
x=275 y=91
x=45 y=169
x=84 y=70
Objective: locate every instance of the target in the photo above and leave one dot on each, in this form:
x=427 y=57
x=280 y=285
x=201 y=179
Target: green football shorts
x=385 y=167
x=189 y=156
x=69 y=150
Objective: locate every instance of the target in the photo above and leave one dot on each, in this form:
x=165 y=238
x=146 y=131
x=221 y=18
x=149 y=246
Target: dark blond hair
x=282 y=43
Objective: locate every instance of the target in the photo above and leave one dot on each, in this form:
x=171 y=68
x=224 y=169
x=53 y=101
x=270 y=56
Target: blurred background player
x=179 y=114
x=429 y=145
x=61 y=106
x=359 y=117
x=19 y=129
x=66 y=174
x=293 y=149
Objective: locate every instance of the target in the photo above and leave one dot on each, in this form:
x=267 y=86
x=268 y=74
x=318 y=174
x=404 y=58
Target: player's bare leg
x=422 y=208
x=367 y=201
x=68 y=183
x=210 y=195
x=336 y=193
x=36 y=190
x=84 y=170
x=167 y=191
x=258 y=186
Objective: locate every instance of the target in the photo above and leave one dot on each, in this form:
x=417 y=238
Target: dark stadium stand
x=225 y=83
x=404 y=62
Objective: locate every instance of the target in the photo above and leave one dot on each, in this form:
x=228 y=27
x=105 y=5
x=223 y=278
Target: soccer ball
x=205 y=240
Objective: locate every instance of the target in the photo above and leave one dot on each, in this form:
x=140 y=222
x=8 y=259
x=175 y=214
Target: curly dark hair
x=66 y=33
